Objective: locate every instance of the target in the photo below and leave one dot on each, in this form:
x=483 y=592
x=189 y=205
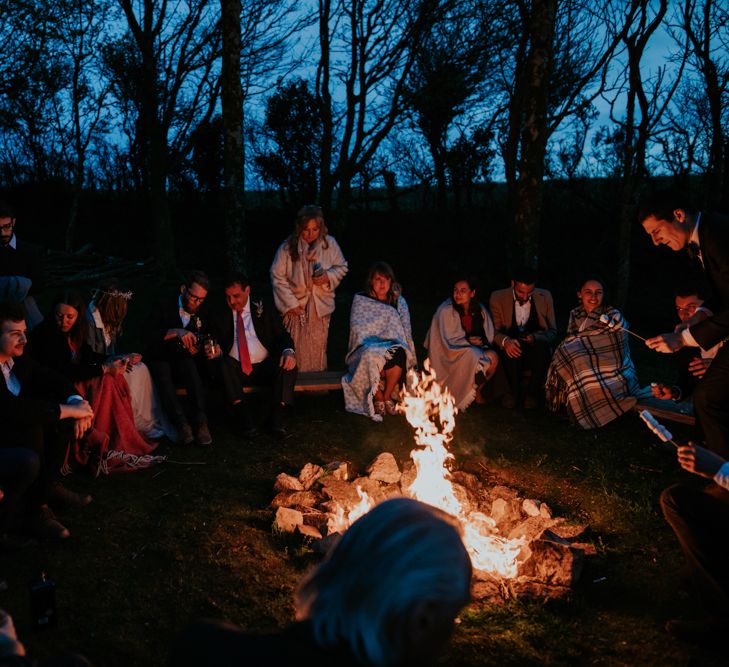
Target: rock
x=570 y=532
x=588 y=548
x=287 y=520
x=308 y=531
x=499 y=509
x=467 y=480
x=384 y=469
x=316 y=519
x=409 y=473
x=552 y=563
x=529 y=529
x=545 y=511
x=530 y=507
x=341 y=492
x=371 y=487
x=294 y=498
x=503 y=492
x=286 y=482
x=338 y=470
x=528 y=589
x=309 y=474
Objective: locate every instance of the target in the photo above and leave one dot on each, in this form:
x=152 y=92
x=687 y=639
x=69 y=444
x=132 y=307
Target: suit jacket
x=49 y=346
x=41 y=392
x=267 y=323
x=165 y=316
x=23 y=260
x=501 y=305
x=714 y=244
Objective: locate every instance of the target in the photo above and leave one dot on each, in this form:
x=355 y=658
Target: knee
x=674 y=500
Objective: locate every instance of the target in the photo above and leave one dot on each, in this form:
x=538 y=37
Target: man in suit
x=21 y=268
x=39 y=410
x=670 y=219
x=176 y=356
x=526 y=330
x=255 y=349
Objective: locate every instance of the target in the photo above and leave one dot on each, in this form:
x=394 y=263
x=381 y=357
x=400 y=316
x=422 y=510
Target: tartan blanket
x=591 y=370
x=375 y=330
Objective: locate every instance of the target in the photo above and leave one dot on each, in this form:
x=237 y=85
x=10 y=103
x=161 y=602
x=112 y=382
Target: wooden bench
x=305 y=382
x=681 y=413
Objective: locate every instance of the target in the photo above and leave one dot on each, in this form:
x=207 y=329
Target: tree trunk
x=535 y=131
x=233 y=146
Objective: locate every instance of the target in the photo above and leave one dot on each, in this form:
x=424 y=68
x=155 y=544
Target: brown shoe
x=60 y=496
x=202 y=435
x=184 y=434
x=47 y=527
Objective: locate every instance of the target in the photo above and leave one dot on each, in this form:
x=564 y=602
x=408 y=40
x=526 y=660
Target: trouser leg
x=711 y=404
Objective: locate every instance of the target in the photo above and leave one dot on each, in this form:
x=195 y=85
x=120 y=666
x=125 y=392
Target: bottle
x=318 y=270
x=43 y=602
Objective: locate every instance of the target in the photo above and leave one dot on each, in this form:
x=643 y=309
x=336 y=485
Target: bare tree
x=366 y=46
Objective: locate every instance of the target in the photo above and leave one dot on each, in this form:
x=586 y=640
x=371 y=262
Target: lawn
x=193 y=538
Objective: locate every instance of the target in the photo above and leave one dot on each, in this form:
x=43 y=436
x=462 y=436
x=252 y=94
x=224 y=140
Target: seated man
x=387 y=594
x=255 y=349
x=34 y=401
x=526 y=330
x=693 y=361
x=175 y=356
x=21 y=268
x=698 y=517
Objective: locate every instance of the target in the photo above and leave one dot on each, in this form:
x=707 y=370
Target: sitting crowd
x=71 y=397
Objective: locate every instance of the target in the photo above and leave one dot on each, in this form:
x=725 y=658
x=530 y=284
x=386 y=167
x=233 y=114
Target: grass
x=161 y=547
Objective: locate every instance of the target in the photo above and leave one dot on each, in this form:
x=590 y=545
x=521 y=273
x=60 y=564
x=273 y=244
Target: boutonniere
x=259 y=308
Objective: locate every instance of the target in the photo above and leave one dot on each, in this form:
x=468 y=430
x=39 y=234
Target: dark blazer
x=47 y=345
x=41 y=392
x=165 y=316
x=267 y=323
x=714 y=244
x=23 y=260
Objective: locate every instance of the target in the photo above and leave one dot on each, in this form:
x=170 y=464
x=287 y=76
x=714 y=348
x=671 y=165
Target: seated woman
x=591 y=371
x=59 y=342
x=458 y=344
x=105 y=316
x=381 y=348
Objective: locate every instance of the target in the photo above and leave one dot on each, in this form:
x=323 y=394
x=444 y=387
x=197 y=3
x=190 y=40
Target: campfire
x=516 y=546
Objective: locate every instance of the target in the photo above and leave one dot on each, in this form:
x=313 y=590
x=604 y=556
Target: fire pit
x=518 y=549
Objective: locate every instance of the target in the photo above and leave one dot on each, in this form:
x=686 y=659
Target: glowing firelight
x=431 y=411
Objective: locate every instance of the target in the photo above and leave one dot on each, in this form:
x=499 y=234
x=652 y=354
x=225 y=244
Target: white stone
x=384 y=469
x=287 y=519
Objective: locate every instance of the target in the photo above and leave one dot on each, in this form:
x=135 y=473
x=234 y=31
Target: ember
x=515 y=545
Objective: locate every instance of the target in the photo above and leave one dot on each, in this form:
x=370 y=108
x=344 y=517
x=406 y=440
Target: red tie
x=243 y=355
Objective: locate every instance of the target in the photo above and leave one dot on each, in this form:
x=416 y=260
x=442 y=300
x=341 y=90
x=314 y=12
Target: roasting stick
x=605 y=319
x=659 y=429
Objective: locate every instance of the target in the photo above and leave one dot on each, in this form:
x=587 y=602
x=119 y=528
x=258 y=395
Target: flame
x=343 y=520
x=431 y=411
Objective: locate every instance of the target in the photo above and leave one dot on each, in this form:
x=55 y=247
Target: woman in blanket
x=591 y=371
x=60 y=342
x=381 y=348
x=459 y=351
x=306 y=270
x=104 y=317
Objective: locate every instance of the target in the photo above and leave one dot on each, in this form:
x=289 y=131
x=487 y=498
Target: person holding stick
x=670 y=219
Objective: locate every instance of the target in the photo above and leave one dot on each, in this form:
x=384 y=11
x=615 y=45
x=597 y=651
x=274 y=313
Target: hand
x=512 y=348
x=213 y=351
x=114 y=366
x=698 y=366
x=80 y=426
x=528 y=339
x=661 y=391
x=295 y=312
x=668 y=343
x=475 y=340
x=188 y=340
x=76 y=410
x=288 y=360
x=699 y=460
x=134 y=358
x=323 y=279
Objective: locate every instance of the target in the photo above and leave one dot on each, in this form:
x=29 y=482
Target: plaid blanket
x=375 y=330
x=591 y=371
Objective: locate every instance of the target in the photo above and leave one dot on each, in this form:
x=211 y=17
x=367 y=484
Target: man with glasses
x=21 y=268
x=670 y=219
x=175 y=355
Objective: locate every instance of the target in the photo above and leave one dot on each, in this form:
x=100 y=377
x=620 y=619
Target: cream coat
x=288 y=278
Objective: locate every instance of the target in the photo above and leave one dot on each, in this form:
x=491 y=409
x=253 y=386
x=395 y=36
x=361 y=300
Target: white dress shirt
x=522 y=311
x=255 y=348
x=722 y=476
x=185 y=317
x=10 y=380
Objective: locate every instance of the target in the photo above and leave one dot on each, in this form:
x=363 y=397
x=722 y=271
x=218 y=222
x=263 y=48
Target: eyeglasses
x=689 y=310
x=8 y=226
x=191 y=297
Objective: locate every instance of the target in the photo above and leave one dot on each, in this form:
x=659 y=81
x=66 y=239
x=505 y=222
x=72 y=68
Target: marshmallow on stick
x=615 y=324
x=659 y=429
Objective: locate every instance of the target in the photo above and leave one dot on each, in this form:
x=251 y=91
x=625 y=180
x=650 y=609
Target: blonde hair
x=400 y=554
x=303 y=217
